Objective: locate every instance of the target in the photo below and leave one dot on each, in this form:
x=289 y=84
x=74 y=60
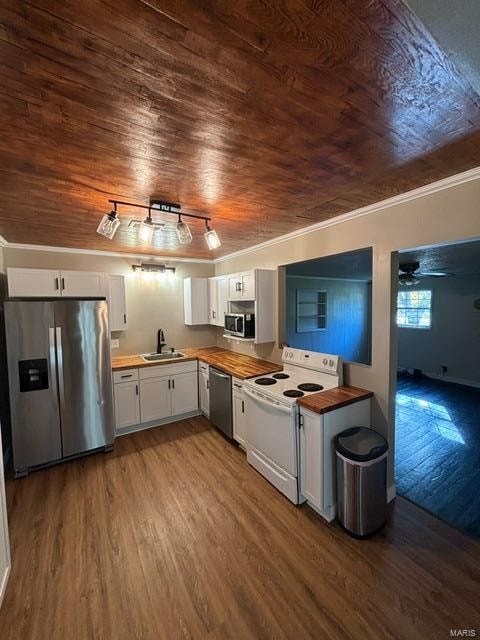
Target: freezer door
x=30 y=337
x=84 y=375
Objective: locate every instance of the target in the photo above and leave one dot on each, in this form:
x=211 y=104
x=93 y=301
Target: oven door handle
x=268 y=403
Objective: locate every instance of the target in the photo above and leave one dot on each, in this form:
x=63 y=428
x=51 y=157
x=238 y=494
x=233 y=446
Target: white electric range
x=271 y=413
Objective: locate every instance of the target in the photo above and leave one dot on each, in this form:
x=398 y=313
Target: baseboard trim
x=391 y=492
x=156 y=423
x=436 y=376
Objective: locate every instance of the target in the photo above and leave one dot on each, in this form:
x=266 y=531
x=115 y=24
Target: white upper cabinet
x=34 y=283
x=83 y=284
x=195 y=301
x=241 y=286
x=217 y=300
x=117 y=303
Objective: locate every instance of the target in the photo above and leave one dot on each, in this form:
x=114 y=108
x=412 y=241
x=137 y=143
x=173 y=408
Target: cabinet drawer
x=162 y=370
x=127 y=375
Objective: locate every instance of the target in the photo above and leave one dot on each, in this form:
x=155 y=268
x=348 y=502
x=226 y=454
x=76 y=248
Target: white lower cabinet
x=184 y=393
x=204 y=388
x=155 y=399
x=127 y=404
x=239 y=417
x=157 y=393
x=317 y=453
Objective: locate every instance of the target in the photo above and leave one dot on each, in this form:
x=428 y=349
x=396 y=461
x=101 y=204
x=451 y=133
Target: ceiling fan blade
x=434 y=274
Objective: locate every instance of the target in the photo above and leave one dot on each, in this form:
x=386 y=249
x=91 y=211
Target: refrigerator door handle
x=61 y=384
x=53 y=362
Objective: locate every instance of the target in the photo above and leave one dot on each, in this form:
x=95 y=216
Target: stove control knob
x=331 y=363
x=290 y=354
x=325 y=361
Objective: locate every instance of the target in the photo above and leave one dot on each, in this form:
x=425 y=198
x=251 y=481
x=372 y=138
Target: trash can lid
x=361 y=444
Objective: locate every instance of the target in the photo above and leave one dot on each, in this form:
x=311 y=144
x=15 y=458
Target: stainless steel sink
x=171 y=355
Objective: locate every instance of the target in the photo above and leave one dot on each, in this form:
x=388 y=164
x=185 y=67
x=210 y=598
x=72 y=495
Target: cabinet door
x=203 y=384
x=239 y=421
x=78 y=284
x=117 y=303
x=195 y=301
x=221 y=300
x=184 y=393
x=311 y=467
x=33 y=283
x=248 y=286
x=234 y=287
x=155 y=399
x=127 y=405
x=4 y=543
x=212 y=301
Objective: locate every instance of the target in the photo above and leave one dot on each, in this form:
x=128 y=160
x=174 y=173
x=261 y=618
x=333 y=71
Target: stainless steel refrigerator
x=60 y=379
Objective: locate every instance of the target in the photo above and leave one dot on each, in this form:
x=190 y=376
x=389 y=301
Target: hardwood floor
x=173 y=535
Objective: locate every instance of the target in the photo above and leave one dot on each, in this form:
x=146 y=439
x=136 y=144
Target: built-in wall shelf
x=311 y=310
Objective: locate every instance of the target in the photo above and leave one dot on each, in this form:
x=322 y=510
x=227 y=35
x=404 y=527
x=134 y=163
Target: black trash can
x=361 y=456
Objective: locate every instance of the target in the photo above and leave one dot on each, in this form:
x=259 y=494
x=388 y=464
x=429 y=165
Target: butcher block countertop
x=326 y=401
x=236 y=364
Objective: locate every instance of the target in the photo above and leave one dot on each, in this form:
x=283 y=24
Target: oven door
x=271 y=429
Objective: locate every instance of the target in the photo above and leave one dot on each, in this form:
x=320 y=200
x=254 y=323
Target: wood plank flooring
x=173 y=535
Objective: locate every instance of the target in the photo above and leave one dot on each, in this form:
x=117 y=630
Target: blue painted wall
x=348 y=331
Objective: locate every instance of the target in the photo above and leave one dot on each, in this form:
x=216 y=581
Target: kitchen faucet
x=160 y=340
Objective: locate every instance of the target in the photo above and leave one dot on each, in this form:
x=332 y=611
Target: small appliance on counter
x=241 y=325
x=60 y=379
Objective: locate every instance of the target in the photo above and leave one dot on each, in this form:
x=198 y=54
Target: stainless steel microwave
x=240 y=324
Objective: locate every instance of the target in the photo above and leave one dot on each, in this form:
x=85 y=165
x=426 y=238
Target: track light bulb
x=108 y=225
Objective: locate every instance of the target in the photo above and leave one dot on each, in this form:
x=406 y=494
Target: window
x=311 y=310
x=414 y=309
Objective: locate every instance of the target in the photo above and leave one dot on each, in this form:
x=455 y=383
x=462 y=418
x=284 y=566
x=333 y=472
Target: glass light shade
x=212 y=239
x=183 y=233
x=108 y=225
x=145 y=231
x=408 y=279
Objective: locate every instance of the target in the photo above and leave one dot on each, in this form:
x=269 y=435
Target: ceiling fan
x=409 y=274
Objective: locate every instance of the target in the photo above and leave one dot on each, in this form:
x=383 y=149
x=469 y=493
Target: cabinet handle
x=169 y=385
x=243 y=406
x=127 y=376
x=124 y=318
x=56 y=284
x=173 y=383
x=136 y=389
x=63 y=283
x=213 y=314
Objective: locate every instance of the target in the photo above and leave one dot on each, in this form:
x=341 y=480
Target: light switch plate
x=114 y=343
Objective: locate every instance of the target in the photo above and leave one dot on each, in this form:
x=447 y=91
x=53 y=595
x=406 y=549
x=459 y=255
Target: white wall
x=454 y=338
x=152 y=301
x=447 y=215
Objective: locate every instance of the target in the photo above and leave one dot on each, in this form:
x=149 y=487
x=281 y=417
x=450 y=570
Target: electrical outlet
x=114 y=343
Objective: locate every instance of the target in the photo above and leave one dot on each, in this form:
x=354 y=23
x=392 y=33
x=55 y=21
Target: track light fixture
x=146 y=227
x=109 y=223
x=184 y=234
x=155 y=268
x=211 y=238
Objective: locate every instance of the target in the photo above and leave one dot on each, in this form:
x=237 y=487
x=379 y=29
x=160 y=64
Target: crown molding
x=105 y=254
x=434 y=187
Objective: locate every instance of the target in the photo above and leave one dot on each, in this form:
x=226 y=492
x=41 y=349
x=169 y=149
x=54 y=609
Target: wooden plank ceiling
x=267 y=115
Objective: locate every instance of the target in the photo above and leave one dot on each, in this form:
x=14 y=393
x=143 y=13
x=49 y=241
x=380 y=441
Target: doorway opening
x=437 y=439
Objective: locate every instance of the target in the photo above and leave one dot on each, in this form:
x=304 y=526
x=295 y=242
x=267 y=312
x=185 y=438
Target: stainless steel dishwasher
x=221 y=401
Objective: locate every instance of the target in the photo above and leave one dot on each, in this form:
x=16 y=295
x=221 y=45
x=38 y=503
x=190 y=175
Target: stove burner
x=310 y=386
x=265 y=381
x=293 y=393
x=281 y=376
